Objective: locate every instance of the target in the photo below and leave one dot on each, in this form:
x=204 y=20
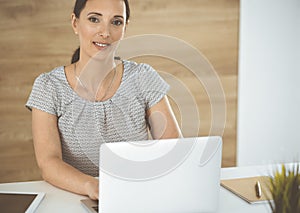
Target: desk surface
x=57 y=200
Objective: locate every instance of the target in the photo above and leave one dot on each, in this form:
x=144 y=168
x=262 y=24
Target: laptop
x=159 y=176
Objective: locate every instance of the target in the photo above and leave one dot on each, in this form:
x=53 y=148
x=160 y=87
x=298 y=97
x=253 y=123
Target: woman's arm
x=48 y=153
x=162 y=121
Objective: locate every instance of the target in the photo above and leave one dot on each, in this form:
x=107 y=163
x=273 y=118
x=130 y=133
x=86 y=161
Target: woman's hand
x=92 y=188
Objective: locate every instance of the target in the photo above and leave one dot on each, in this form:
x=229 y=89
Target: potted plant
x=284 y=187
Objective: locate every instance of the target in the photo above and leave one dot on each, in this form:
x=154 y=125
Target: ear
x=74 y=23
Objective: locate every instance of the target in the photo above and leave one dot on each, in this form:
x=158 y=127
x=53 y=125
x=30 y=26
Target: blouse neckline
x=95 y=102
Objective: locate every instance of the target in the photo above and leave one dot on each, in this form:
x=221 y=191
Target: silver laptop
x=159 y=176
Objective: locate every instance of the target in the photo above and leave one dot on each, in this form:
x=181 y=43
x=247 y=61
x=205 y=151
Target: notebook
x=172 y=175
x=246 y=188
x=16 y=202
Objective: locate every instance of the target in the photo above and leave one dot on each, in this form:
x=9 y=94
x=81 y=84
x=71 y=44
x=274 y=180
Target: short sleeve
x=152 y=87
x=43 y=95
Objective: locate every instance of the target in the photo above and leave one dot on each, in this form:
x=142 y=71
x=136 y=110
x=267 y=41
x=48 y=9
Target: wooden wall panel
x=36 y=36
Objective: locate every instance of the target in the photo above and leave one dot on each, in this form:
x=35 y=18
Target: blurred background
x=36 y=36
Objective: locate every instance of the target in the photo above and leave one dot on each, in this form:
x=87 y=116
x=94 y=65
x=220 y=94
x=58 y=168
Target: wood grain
x=36 y=36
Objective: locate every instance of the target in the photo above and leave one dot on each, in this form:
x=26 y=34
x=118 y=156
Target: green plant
x=285 y=190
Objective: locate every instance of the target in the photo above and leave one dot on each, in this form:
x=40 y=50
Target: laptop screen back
x=173 y=175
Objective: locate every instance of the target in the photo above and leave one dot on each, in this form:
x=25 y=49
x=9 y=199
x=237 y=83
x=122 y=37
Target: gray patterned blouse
x=84 y=125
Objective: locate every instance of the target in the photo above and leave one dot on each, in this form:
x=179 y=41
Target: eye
x=117 y=22
x=93 y=19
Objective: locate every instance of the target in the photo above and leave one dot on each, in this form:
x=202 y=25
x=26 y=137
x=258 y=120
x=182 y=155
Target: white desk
x=57 y=200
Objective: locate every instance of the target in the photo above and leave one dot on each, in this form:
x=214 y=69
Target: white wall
x=269 y=82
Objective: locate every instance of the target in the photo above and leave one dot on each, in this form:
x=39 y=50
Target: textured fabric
x=84 y=125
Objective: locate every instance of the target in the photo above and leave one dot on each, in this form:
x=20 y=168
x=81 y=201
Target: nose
x=103 y=30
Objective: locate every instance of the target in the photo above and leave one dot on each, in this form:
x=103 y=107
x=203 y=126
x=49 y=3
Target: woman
x=77 y=107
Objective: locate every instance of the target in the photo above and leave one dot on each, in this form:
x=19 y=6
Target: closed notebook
x=246 y=189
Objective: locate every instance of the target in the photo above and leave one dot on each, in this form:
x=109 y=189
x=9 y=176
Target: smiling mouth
x=101 y=45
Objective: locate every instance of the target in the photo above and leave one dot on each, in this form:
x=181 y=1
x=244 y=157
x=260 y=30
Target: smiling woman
x=96 y=99
x=37 y=35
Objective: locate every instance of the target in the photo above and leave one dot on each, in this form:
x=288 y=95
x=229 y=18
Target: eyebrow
x=99 y=14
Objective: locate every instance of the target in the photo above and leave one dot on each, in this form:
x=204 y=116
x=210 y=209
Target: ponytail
x=76 y=55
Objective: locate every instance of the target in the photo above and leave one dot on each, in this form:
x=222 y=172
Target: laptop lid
x=173 y=175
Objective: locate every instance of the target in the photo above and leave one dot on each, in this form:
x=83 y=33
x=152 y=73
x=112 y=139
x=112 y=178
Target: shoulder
x=55 y=73
x=144 y=74
x=136 y=66
x=45 y=94
x=50 y=83
x=51 y=77
x=132 y=67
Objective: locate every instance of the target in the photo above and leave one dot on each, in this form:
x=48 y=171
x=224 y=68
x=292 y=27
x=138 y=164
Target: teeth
x=101 y=45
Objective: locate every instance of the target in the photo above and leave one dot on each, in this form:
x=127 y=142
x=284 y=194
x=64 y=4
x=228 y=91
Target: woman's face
x=101 y=23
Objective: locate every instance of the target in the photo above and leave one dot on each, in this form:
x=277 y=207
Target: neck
x=96 y=74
